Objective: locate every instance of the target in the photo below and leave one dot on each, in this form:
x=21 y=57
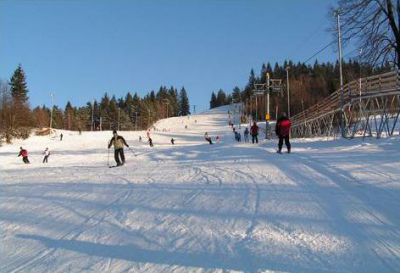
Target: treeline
x=130 y=112
x=308 y=85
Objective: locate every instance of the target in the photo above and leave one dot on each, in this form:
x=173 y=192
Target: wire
x=319 y=51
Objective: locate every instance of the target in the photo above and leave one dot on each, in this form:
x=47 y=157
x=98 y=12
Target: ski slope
x=330 y=206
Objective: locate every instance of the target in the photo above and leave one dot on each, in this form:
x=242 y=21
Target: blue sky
x=81 y=49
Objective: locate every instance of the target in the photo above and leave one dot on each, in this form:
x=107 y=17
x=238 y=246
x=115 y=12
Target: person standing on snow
x=246 y=135
x=119 y=143
x=282 y=130
x=46 y=155
x=24 y=154
x=254 y=132
x=61 y=137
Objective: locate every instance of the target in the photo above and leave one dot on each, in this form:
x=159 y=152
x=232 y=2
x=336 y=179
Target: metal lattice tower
x=368 y=107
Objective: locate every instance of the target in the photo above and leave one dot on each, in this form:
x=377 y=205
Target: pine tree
x=236 y=96
x=221 y=98
x=69 y=116
x=21 y=114
x=213 y=101
x=19 y=90
x=184 y=105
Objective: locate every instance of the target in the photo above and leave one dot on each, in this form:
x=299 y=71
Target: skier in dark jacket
x=254 y=133
x=282 y=130
x=119 y=143
x=206 y=137
x=24 y=154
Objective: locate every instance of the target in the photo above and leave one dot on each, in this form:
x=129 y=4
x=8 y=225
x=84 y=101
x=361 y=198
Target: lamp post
x=341 y=73
x=359 y=63
x=92 y=126
x=119 y=118
x=268 y=86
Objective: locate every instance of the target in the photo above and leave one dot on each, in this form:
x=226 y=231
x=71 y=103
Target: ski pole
x=108 y=158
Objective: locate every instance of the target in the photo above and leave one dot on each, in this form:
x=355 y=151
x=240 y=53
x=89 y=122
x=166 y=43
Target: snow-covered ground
x=330 y=206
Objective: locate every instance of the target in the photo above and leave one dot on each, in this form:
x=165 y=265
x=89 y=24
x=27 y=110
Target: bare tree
x=374 y=24
x=5 y=112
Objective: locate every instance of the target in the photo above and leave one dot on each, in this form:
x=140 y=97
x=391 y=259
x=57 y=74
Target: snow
x=330 y=206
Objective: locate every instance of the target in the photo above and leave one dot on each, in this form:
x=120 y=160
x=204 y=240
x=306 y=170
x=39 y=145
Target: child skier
x=119 y=143
x=46 y=155
x=24 y=154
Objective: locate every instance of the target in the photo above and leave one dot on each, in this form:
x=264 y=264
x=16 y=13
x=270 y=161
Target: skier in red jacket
x=24 y=154
x=282 y=130
x=254 y=133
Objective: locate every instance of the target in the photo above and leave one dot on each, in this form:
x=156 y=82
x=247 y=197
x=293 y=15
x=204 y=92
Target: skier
x=61 y=137
x=150 y=142
x=238 y=136
x=24 y=154
x=254 y=132
x=140 y=138
x=46 y=155
x=118 y=142
x=282 y=130
x=206 y=137
x=246 y=135
x=172 y=141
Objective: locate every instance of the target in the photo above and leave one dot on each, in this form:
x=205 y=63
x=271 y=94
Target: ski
x=115 y=166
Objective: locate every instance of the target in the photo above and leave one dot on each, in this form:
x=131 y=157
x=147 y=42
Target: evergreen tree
x=19 y=90
x=69 y=115
x=21 y=114
x=184 y=103
x=236 y=96
x=221 y=98
x=213 y=101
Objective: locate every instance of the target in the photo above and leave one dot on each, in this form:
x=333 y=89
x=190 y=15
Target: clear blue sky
x=81 y=49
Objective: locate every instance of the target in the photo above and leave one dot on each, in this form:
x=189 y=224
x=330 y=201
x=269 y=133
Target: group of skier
x=282 y=130
x=24 y=154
